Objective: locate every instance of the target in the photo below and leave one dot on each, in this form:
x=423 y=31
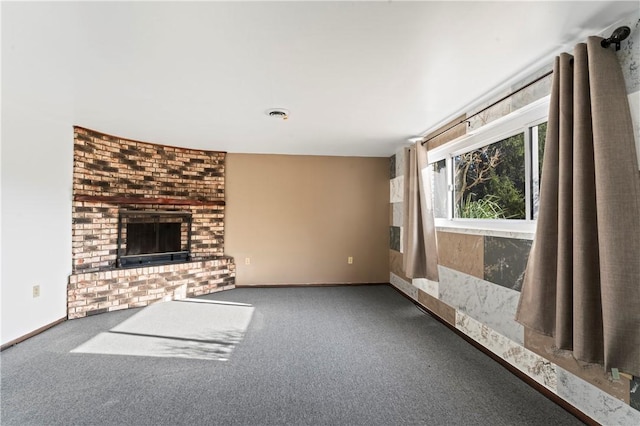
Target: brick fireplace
x=148 y=224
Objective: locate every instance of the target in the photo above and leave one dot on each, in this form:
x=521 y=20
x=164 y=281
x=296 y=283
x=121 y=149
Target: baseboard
x=33 y=333
x=522 y=376
x=306 y=285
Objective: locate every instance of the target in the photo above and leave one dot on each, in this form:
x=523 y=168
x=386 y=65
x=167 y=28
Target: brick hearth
x=112 y=174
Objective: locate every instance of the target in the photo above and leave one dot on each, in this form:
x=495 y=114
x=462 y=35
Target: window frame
x=519 y=121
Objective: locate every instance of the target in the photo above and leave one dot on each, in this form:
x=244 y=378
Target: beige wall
x=298 y=218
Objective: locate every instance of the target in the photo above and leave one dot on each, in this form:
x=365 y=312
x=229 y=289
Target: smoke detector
x=278 y=113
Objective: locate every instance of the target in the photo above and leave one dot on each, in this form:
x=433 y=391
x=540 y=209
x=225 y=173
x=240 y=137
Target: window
x=490 y=177
x=439 y=188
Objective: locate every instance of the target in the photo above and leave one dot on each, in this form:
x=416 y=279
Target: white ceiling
x=358 y=78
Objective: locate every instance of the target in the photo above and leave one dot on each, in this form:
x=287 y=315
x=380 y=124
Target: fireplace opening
x=153 y=237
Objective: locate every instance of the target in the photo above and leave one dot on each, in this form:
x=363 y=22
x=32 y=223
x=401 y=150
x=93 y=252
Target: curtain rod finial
x=618 y=35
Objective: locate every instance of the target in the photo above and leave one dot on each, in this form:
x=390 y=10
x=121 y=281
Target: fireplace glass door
x=153 y=237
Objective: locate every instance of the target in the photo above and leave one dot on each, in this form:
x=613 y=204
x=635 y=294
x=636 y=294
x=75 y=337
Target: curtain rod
x=618 y=35
x=466 y=120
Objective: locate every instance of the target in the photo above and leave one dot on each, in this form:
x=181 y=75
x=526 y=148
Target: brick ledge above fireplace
x=148 y=200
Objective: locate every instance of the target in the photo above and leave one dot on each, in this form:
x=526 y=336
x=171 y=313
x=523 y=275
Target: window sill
x=506 y=229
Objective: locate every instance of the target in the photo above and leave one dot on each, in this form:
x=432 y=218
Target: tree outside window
x=490 y=181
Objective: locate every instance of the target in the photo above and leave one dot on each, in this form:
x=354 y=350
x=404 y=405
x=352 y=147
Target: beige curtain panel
x=419 y=245
x=582 y=283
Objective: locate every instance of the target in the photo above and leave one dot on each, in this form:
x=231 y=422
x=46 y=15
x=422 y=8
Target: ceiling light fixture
x=278 y=113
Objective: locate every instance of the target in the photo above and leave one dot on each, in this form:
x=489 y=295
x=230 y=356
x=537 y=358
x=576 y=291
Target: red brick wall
x=98 y=292
x=117 y=169
x=95 y=232
x=109 y=166
x=111 y=173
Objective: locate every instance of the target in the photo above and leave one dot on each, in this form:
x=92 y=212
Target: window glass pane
x=542 y=137
x=490 y=181
x=439 y=188
x=538 y=138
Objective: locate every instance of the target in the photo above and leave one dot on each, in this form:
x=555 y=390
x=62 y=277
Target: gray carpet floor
x=360 y=355
x=187 y=328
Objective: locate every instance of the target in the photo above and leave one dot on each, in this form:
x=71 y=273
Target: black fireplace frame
x=150 y=259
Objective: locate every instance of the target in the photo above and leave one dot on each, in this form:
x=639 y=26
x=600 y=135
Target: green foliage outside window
x=490 y=181
x=485 y=208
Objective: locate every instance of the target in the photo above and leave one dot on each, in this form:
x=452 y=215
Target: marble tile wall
x=461 y=252
x=521 y=98
x=629 y=53
x=536 y=367
x=403 y=286
x=592 y=373
x=397 y=189
x=392 y=166
x=485 y=117
x=473 y=306
x=395 y=264
x=505 y=260
x=400 y=160
x=494 y=306
x=394 y=238
x=427 y=286
x=634 y=391
x=488 y=232
x=441 y=309
x=599 y=405
x=440 y=137
x=397 y=214
x=396 y=195
x=629 y=58
x=634 y=106
x=534 y=92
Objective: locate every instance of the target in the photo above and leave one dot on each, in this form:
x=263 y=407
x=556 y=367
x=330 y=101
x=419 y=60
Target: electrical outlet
x=247 y=261
x=36 y=291
x=350 y=260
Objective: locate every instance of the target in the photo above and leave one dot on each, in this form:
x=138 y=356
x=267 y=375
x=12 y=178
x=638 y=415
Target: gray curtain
x=419 y=245
x=582 y=282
